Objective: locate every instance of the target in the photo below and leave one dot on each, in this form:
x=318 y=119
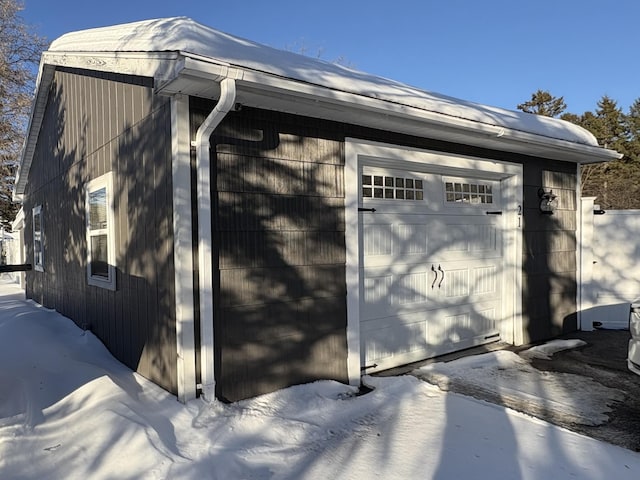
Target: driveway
x=604 y=360
x=587 y=389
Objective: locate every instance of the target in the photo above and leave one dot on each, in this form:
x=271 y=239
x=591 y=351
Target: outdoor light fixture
x=597 y=210
x=548 y=201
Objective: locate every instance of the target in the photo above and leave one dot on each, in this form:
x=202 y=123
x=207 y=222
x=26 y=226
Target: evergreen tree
x=616 y=184
x=543 y=103
x=632 y=125
x=609 y=125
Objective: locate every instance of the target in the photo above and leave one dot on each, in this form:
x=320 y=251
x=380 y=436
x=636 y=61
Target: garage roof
x=187 y=57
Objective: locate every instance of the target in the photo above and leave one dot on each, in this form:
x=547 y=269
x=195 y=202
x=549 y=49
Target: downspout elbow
x=205 y=242
x=222 y=108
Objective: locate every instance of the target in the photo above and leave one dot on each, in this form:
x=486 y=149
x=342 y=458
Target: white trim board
x=183 y=248
x=359 y=152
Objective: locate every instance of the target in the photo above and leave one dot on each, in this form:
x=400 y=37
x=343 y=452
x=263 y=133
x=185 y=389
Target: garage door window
x=392 y=187
x=472 y=193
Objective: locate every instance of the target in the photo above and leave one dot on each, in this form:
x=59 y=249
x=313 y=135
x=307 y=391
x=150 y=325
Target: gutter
x=205 y=243
x=264 y=90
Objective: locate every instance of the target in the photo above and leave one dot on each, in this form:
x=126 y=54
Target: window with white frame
x=101 y=267
x=38 y=246
x=470 y=191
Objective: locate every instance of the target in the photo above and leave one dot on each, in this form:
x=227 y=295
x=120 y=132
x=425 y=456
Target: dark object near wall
x=23 y=267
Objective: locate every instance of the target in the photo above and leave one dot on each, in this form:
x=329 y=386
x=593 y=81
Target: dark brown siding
x=280 y=248
x=549 y=257
x=96 y=123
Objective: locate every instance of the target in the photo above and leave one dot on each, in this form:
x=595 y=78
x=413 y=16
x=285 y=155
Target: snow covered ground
x=69 y=410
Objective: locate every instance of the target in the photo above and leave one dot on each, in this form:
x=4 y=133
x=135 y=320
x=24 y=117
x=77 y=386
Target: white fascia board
x=414 y=121
x=158 y=65
x=262 y=89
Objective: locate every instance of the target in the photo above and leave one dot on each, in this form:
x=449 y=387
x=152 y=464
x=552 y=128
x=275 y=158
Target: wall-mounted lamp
x=548 y=201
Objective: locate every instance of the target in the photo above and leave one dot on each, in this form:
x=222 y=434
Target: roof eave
x=181 y=72
x=264 y=90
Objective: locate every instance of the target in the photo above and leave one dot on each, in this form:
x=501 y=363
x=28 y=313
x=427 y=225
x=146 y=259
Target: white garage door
x=431 y=264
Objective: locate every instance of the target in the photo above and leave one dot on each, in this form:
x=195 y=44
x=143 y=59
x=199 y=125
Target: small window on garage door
x=470 y=191
x=389 y=186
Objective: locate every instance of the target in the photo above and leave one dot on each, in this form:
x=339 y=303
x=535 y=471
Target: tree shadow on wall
x=81 y=141
x=279 y=251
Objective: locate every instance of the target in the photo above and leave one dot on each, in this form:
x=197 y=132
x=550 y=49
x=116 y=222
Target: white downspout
x=203 y=167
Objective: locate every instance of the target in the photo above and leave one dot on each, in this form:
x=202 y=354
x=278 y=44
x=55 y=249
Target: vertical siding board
x=549 y=241
x=268 y=194
x=93 y=126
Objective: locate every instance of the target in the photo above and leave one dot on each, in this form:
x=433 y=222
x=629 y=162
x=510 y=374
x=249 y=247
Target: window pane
x=36 y=223
x=98 y=209
x=99 y=256
x=366 y=179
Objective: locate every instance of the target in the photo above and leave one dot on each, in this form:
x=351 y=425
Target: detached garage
x=231 y=219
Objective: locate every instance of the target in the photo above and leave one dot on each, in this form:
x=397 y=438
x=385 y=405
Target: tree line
x=615 y=184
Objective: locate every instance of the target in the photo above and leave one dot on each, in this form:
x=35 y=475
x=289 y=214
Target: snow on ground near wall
x=69 y=410
x=547 y=350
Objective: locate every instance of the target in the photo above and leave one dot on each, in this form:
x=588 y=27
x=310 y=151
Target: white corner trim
x=183 y=248
x=512 y=193
x=205 y=241
x=352 y=240
x=586 y=295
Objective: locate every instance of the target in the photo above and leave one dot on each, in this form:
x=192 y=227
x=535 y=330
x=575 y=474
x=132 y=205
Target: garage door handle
x=435 y=279
x=442 y=279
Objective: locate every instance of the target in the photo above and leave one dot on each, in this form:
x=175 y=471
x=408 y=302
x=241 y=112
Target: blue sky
x=496 y=52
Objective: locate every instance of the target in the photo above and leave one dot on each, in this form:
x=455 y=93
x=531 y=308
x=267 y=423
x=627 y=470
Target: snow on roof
x=184 y=35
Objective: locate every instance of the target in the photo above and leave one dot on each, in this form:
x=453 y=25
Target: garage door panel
x=388 y=239
x=406 y=239
x=394 y=340
x=395 y=290
x=410 y=337
x=431 y=268
x=460 y=238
